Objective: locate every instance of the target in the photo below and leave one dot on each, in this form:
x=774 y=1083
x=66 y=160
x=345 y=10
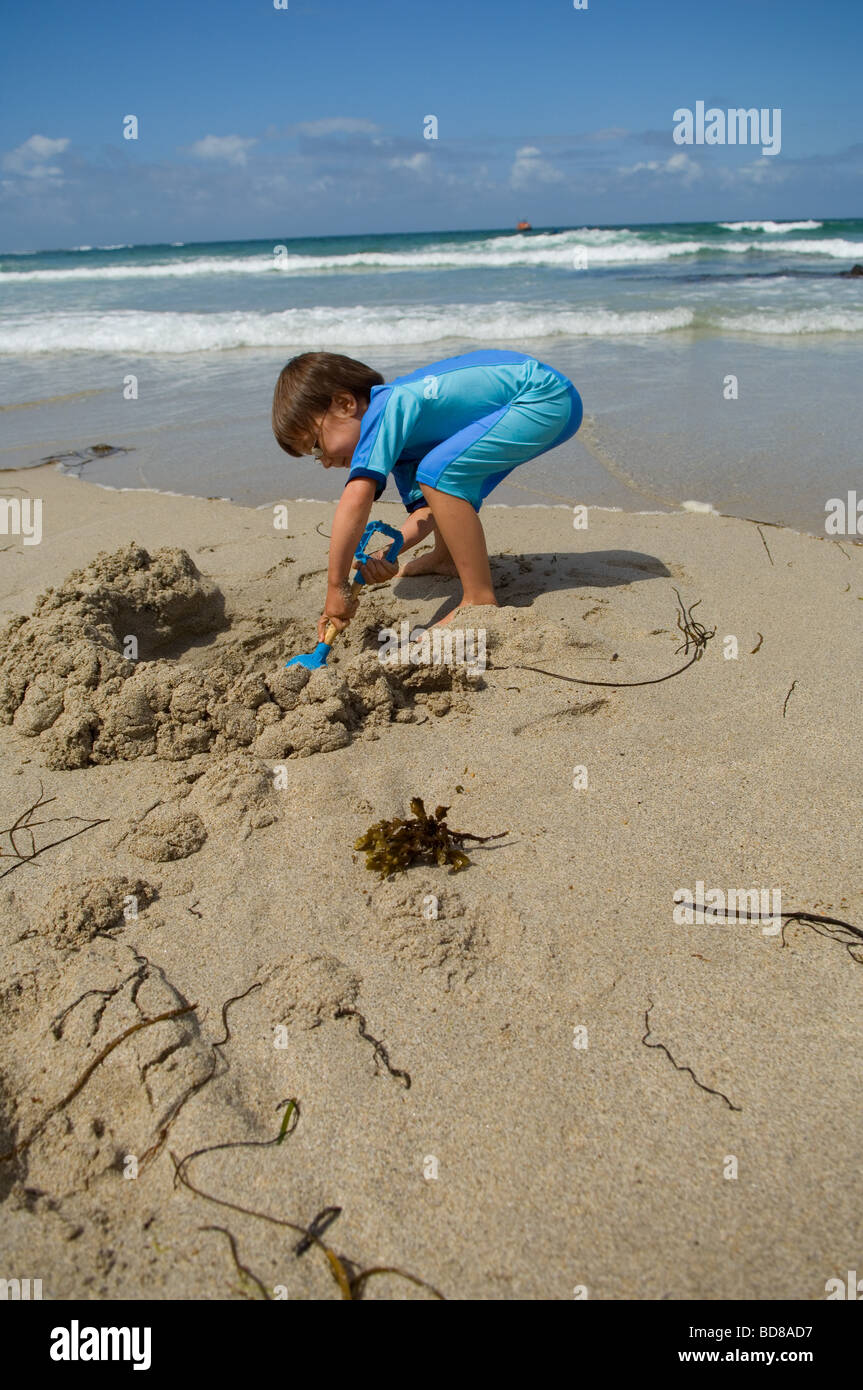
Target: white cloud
x=418 y=162
x=759 y=171
x=232 y=148
x=30 y=158
x=337 y=125
x=530 y=168
x=681 y=165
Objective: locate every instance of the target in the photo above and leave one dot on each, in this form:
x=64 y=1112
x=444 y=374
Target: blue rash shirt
x=461 y=424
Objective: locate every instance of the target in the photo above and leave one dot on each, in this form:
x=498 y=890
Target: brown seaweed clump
x=392 y=846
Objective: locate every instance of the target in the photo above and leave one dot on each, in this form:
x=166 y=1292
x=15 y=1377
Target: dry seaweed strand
x=292 y=1113
x=85 y=1077
x=678 y=1065
x=24 y=825
x=57 y=1023
x=139 y=976
x=350 y=1286
x=694 y=635
x=316 y=1227
x=155 y=1148
x=242 y=1270
x=392 y=846
x=764 y=543
x=293 y=1108
x=380 y=1051
x=815 y=920
x=82 y=456
x=180 y=1175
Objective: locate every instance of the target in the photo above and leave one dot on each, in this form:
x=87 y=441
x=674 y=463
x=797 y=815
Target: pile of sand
x=79 y=912
x=66 y=676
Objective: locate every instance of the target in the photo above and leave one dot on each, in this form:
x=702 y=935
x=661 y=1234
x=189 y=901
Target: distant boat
x=523 y=227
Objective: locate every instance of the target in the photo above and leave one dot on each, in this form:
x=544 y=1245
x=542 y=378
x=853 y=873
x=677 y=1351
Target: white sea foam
x=156 y=270
x=793 y=321
x=832 y=246
x=835 y=247
x=585 y=248
x=485 y=256
x=691 y=505
x=321 y=328
x=772 y=227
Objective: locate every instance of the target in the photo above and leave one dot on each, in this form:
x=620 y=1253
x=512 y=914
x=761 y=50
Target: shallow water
x=648 y=322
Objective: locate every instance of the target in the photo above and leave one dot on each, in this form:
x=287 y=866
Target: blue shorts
x=545 y=413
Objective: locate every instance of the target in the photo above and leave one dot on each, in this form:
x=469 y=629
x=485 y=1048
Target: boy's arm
x=350 y=518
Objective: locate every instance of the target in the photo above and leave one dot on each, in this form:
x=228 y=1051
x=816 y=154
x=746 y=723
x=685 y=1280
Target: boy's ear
x=344 y=400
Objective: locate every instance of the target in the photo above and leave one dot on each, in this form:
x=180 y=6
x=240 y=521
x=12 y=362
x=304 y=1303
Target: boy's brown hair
x=306 y=387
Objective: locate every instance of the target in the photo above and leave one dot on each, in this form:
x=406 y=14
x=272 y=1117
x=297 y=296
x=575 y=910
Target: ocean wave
x=495 y=254
x=583 y=249
x=130 y=270
x=836 y=247
x=322 y=328
x=772 y=227
x=794 y=322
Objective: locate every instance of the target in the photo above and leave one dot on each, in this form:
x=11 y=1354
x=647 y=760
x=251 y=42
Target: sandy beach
x=524 y=1080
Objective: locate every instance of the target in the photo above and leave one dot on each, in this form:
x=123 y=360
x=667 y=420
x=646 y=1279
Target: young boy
x=448 y=433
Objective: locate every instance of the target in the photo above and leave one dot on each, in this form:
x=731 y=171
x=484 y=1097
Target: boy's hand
x=378 y=569
x=341 y=607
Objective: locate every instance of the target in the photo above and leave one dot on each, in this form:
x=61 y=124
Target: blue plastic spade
x=313 y=660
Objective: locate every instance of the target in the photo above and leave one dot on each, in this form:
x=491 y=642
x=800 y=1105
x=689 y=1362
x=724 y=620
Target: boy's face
x=337 y=433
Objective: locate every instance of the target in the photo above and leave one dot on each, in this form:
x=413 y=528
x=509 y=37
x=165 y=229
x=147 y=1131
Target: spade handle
x=332 y=630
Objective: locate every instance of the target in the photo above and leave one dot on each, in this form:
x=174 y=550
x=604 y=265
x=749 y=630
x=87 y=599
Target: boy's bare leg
x=459 y=529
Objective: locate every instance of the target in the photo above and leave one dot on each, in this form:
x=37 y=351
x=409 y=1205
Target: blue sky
x=257 y=122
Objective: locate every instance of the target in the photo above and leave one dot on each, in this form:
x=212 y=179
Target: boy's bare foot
x=433 y=562
x=465 y=603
